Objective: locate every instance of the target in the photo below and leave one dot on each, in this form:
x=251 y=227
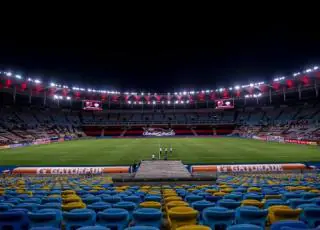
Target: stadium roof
x=69 y=92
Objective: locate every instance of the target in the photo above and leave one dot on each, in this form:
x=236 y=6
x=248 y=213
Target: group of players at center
x=165 y=150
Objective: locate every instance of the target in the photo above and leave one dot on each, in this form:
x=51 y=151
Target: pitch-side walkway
x=162 y=169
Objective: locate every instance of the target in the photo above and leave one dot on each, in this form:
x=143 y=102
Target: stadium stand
x=18 y=124
x=262 y=200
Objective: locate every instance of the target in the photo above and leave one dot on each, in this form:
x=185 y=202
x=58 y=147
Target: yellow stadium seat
x=297 y=188
x=172 y=198
x=282 y=212
x=155 y=187
x=54 y=195
x=165 y=195
x=250 y=202
x=73 y=205
x=146 y=187
x=97 y=188
x=222 y=186
x=173 y=204
x=254 y=189
x=226 y=190
x=211 y=190
x=201 y=186
x=150 y=204
x=219 y=193
x=71 y=199
x=68 y=193
x=181 y=216
x=154 y=193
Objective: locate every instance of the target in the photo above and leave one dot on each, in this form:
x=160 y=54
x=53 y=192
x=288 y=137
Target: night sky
x=162 y=55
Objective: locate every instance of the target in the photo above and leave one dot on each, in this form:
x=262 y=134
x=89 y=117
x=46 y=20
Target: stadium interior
x=161 y=190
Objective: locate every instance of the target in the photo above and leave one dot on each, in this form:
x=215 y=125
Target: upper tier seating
x=287 y=114
x=27 y=123
x=242 y=117
x=255 y=118
x=27 y=117
x=33 y=117
x=228 y=117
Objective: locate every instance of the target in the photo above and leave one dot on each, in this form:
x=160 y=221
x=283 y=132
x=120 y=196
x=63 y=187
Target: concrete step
x=162 y=169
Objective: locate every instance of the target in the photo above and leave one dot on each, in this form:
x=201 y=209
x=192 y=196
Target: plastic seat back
x=147 y=217
x=16 y=220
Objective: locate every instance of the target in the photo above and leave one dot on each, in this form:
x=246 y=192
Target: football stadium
x=236 y=157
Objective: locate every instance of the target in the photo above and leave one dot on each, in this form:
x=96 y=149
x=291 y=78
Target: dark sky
x=156 y=54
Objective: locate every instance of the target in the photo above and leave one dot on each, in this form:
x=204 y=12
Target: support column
x=299 y=91
x=30 y=96
x=270 y=95
x=45 y=98
x=14 y=94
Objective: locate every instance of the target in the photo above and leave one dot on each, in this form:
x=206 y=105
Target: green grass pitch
x=189 y=150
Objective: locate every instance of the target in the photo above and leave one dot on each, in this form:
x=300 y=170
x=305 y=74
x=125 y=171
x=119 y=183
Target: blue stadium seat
x=93 y=228
x=311 y=215
x=79 y=218
x=228 y=203
x=16 y=220
x=288 y=223
x=147 y=217
x=113 y=218
x=245 y=227
x=99 y=206
x=45 y=218
x=251 y=215
x=218 y=216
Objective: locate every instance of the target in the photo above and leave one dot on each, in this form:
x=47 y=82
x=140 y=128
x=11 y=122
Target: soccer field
x=189 y=150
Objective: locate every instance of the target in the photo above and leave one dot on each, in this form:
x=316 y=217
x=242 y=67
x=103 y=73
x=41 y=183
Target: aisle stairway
x=162 y=169
x=123 y=133
x=194 y=132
